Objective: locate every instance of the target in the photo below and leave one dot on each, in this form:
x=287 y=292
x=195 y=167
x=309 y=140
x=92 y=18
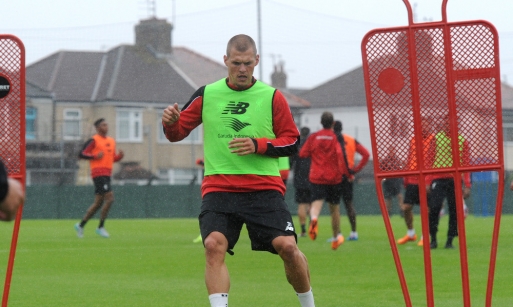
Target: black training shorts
x=392 y=187
x=411 y=194
x=303 y=196
x=265 y=214
x=102 y=185
x=346 y=190
x=329 y=192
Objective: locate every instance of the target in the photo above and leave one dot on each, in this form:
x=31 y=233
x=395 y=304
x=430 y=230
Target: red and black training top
x=285 y=144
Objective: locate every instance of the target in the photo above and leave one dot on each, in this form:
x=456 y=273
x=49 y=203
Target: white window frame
x=134 y=123
x=73 y=119
x=507 y=126
x=31 y=135
x=184 y=176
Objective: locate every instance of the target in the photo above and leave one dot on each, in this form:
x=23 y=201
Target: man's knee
x=406 y=207
x=109 y=197
x=216 y=242
x=285 y=246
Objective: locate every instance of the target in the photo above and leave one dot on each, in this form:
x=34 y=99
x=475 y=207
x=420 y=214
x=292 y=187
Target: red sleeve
x=117 y=157
x=429 y=157
x=305 y=151
x=190 y=118
x=365 y=157
x=285 y=130
x=341 y=163
x=284 y=174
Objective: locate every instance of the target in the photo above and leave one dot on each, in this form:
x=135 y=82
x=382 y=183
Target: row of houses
x=130 y=85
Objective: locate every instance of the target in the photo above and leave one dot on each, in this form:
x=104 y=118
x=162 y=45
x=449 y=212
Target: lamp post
x=147 y=133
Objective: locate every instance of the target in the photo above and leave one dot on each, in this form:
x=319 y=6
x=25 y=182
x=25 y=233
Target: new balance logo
x=236 y=108
x=234 y=123
x=289 y=227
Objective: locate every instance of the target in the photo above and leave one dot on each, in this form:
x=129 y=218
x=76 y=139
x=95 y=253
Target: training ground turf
x=154 y=262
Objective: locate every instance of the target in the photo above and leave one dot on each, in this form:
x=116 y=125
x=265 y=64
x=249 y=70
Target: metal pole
x=62 y=147
x=259 y=19
x=147 y=132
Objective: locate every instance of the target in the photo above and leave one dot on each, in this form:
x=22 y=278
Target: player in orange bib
x=100 y=150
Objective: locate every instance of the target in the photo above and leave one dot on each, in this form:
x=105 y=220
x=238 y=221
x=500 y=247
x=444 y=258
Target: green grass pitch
x=153 y=262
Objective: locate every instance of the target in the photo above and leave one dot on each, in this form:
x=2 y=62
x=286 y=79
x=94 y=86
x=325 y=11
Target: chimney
x=155 y=34
x=279 y=77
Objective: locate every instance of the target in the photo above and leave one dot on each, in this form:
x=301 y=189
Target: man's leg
x=108 y=200
x=338 y=238
x=335 y=219
x=408 y=215
x=302 y=212
x=452 y=231
x=79 y=227
x=351 y=214
x=407 y=210
x=347 y=196
x=296 y=268
x=217 y=278
x=388 y=204
x=435 y=202
x=400 y=200
x=315 y=210
x=91 y=211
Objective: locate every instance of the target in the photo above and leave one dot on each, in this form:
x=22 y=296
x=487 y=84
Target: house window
x=508 y=133
x=129 y=126
x=30 y=123
x=184 y=176
x=195 y=137
x=71 y=126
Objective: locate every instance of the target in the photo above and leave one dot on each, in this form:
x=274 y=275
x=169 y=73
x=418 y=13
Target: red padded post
x=435 y=70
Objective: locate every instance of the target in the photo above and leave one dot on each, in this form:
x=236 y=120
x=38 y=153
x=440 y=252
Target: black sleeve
x=83 y=154
x=284 y=151
x=198 y=93
x=4 y=186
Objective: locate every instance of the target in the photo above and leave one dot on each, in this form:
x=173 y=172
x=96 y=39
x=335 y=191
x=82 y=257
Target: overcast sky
x=317 y=40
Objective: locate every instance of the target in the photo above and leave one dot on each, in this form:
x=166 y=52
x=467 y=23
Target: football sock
x=218 y=299
x=306 y=299
x=102 y=222
x=82 y=223
x=303 y=228
x=411 y=233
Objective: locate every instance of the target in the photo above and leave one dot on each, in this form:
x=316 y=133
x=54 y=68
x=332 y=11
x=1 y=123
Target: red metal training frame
x=434 y=70
x=12 y=129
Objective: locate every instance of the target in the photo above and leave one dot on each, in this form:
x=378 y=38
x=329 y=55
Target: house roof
x=32 y=90
x=125 y=73
x=295 y=101
x=195 y=66
x=347 y=90
x=129 y=73
x=507 y=96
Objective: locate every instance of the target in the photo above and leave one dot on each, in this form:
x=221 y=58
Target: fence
x=177 y=201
